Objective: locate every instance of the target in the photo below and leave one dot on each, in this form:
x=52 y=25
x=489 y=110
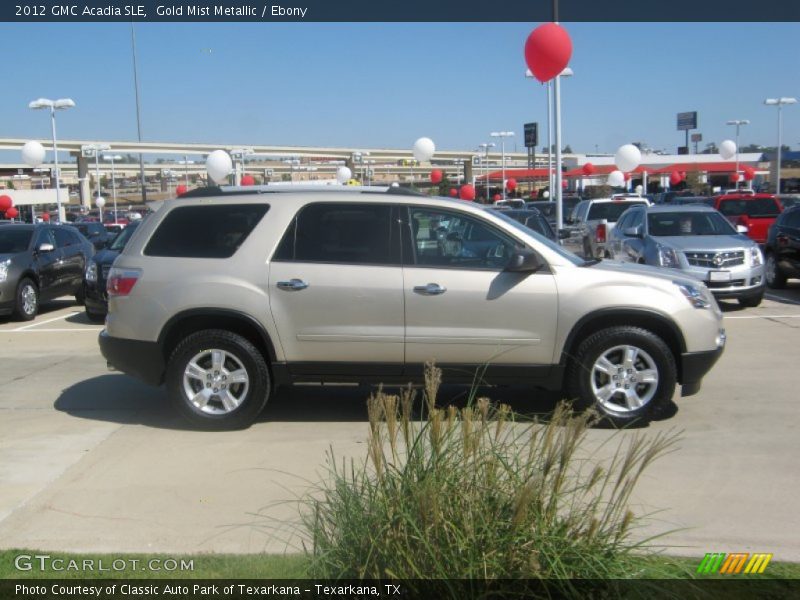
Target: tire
x=775 y=279
x=80 y=295
x=587 y=378
x=27 y=300
x=751 y=301
x=242 y=401
x=587 y=250
x=95 y=317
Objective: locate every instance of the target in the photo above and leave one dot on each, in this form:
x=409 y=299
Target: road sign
x=697 y=137
x=687 y=120
x=531 y=135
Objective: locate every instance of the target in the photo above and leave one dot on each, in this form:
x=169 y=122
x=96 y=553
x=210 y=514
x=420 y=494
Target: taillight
x=120 y=282
x=600 y=233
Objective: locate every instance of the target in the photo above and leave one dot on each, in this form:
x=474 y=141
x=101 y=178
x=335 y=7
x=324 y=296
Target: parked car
x=668 y=197
x=548 y=208
x=114 y=228
x=789 y=200
x=533 y=220
x=224 y=297
x=684 y=200
x=96 y=297
x=38 y=263
x=509 y=203
x=757 y=212
x=592 y=222
x=783 y=249
x=95 y=232
x=696 y=240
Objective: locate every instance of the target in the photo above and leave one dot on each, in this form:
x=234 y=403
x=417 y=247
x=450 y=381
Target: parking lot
x=91 y=460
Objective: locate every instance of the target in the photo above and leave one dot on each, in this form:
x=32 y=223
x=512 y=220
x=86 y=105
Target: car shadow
x=81 y=319
x=45 y=308
x=789 y=295
x=117 y=398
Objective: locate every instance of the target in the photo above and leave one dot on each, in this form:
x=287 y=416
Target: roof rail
x=281 y=187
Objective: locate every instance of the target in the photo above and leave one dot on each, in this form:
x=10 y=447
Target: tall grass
x=471 y=494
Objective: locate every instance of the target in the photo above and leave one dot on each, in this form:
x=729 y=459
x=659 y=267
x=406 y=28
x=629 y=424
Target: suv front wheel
x=624 y=373
x=218 y=380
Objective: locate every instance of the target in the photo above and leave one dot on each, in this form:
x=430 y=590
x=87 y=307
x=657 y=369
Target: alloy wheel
x=624 y=379
x=215 y=382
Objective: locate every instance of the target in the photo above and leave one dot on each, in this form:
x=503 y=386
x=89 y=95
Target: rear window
x=610 y=211
x=754 y=207
x=206 y=231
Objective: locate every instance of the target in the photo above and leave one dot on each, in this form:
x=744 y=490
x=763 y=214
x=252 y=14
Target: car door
x=48 y=264
x=462 y=308
x=633 y=246
x=336 y=290
x=71 y=267
x=616 y=238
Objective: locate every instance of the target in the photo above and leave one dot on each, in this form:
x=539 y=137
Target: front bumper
x=743 y=280
x=694 y=366
x=137 y=358
x=96 y=298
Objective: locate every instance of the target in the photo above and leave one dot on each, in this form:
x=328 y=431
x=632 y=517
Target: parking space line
x=765 y=317
x=780 y=299
x=52 y=330
x=23 y=328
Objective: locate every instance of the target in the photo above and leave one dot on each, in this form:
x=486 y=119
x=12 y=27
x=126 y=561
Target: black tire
x=751 y=301
x=80 y=296
x=587 y=250
x=216 y=416
x=22 y=310
x=775 y=278
x=95 y=317
x=580 y=374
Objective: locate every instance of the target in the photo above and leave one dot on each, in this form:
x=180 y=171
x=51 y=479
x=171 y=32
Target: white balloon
x=616 y=179
x=727 y=149
x=639 y=189
x=100 y=202
x=343 y=175
x=545 y=194
x=219 y=165
x=423 y=149
x=33 y=154
x=627 y=157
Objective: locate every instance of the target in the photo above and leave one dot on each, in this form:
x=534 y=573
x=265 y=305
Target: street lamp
x=87 y=151
x=503 y=135
x=112 y=158
x=240 y=154
x=485 y=147
x=458 y=162
x=54 y=105
x=738 y=123
x=779 y=102
x=567 y=72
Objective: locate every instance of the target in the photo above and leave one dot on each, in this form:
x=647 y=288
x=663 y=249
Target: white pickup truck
x=593 y=220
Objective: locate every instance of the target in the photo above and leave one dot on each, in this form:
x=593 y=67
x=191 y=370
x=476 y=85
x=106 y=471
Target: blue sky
x=384 y=85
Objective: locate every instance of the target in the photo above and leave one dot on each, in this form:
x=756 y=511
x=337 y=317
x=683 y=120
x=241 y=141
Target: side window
x=624 y=222
x=63 y=238
x=45 y=237
x=792 y=219
x=442 y=239
x=637 y=219
x=343 y=233
x=205 y=231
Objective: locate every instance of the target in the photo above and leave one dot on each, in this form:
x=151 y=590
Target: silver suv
x=225 y=294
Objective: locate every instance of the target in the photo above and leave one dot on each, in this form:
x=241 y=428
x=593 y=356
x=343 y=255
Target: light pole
x=503 y=135
x=240 y=154
x=112 y=158
x=779 y=102
x=54 y=105
x=485 y=147
x=89 y=150
x=738 y=123
x=567 y=72
x=458 y=162
x=529 y=74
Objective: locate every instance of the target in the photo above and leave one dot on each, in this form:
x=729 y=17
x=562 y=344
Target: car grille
x=733 y=283
x=715 y=260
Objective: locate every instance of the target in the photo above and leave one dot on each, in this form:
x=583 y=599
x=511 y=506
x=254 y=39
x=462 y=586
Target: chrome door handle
x=293 y=285
x=432 y=289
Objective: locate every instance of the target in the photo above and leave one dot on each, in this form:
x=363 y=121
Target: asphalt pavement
x=92 y=460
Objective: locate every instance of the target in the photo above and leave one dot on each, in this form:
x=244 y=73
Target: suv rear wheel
x=218 y=380
x=625 y=373
x=775 y=278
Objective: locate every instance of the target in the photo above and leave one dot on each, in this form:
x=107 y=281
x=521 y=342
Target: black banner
x=399 y=11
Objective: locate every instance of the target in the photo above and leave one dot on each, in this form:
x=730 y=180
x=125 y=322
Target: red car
x=757 y=212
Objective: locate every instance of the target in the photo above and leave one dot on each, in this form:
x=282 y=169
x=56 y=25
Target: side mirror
x=45 y=247
x=635 y=232
x=524 y=261
x=742 y=229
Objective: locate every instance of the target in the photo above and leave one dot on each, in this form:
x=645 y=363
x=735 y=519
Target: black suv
x=783 y=248
x=40 y=262
x=95 y=232
x=97 y=273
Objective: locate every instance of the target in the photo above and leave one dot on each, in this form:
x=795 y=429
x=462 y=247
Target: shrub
x=471 y=494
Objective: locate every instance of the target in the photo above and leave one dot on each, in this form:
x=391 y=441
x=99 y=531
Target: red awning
x=602 y=170
x=521 y=175
x=709 y=167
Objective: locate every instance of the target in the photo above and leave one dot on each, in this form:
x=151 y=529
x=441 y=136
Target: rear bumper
x=137 y=358
x=694 y=366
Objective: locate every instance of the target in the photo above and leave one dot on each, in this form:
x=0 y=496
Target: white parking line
x=765 y=317
x=47 y=321
x=780 y=299
x=52 y=330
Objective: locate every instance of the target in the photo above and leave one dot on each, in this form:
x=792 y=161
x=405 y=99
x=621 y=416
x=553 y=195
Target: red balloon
x=627 y=176
x=12 y=213
x=5 y=203
x=497 y=197
x=181 y=189
x=683 y=175
x=588 y=169
x=674 y=178
x=547 y=51
x=45 y=217
x=749 y=173
x=453 y=192
x=511 y=184
x=734 y=177
x=467 y=192
x=436 y=176
x=248 y=180
x=564 y=185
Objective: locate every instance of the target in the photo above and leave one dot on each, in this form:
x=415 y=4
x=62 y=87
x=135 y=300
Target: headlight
x=756 y=258
x=667 y=257
x=4 y=269
x=696 y=296
x=91 y=272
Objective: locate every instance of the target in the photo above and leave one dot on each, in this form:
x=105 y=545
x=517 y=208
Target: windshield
x=610 y=210
x=669 y=224
x=575 y=260
x=122 y=239
x=753 y=207
x=14 y=240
